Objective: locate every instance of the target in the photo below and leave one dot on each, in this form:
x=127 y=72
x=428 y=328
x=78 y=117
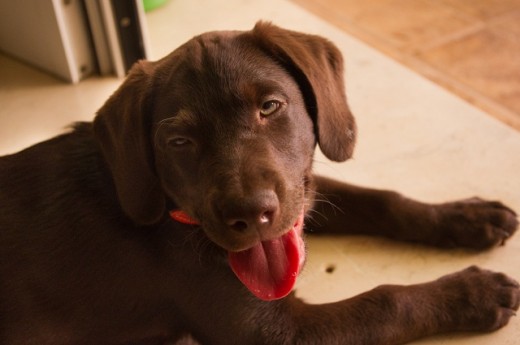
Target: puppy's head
x=225 y=129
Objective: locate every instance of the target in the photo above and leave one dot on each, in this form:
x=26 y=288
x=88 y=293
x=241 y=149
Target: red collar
x=183 y=217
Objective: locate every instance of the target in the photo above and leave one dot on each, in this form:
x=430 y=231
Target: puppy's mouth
x=269 y=268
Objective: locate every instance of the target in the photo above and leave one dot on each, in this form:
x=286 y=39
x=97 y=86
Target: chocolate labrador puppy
x=180 y=211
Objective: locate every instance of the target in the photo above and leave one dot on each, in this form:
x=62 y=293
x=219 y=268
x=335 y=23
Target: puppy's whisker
x=160 y=124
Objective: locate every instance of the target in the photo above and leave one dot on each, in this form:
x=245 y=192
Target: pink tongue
x=270 y=268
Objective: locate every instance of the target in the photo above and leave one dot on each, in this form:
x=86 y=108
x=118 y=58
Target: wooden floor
x=471 y=47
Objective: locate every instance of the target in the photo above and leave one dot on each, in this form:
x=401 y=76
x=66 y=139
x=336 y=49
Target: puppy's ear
x=122 y=127
x=317 y=66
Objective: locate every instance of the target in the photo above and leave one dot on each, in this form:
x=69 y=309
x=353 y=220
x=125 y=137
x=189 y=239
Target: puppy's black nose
x=253 y=213
x=259 y=222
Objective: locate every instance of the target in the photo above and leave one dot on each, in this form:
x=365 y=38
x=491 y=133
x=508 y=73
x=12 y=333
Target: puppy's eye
x=178 y=142
x=269 y=107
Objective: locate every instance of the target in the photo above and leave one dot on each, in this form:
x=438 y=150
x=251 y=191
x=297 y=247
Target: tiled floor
x=472 y=47
x=414 y=137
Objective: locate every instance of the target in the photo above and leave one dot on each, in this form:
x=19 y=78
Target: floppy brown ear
x=317 y=66
x=122 y=127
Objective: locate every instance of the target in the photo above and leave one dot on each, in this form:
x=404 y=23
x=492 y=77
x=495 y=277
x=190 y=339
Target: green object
x=153 y=4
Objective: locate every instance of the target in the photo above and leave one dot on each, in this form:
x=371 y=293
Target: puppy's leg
x=470 y=300
x=472 y=223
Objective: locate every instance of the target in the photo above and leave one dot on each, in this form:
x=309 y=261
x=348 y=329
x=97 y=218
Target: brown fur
x=88 y=254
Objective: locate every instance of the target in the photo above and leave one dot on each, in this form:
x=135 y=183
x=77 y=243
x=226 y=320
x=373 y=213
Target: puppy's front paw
x=477 y=300
x=475 y=223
